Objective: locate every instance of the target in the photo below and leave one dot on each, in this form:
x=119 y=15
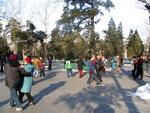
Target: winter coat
x=36 y=62
x=139 y=64
x=113 y=65
x=80 y=64
x=92 y=68
x=41 y=65
x=12 y=78
x=68 y=65
x=99 y=65
x=28 y=79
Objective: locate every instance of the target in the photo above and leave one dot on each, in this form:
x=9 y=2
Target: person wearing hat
x=12 y=80
x=27 y=81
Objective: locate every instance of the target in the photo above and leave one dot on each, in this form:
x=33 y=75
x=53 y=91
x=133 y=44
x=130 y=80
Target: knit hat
x=13 y=57
x=28 y=60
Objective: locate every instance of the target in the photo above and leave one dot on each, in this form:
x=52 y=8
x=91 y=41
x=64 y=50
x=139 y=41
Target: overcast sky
x=130 y=12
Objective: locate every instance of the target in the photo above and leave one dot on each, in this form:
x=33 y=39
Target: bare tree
x=14 y=8
x=147 y=6
x=45 y=12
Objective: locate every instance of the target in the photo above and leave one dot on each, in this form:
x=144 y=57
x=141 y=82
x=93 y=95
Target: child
x=68 y=67
x=42 y=67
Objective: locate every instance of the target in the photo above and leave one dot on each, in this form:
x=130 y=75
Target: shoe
x=31 y=103
x=10 y=106
x=19 y=109
x=88 y=83
x=101 y=80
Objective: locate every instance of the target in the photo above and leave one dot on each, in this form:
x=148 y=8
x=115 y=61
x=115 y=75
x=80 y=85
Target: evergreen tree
x=135 y=46
x=111 y=39
x=121 y=39
x=81 y=14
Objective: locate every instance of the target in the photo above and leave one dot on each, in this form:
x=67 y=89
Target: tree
x=80 y=44
x=41 y=35
x=81 y=14
x=44 y=15
x=12 y=29
x=14 y=9
x=147 y=6
x=121 y=39
x=55 y=46
x=113 y=39
x=4 y=48
x=135 y=45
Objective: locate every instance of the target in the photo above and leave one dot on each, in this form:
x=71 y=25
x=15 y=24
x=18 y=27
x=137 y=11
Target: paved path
x=58 y=94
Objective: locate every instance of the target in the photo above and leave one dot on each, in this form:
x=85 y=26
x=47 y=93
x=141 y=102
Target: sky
x=130 y=12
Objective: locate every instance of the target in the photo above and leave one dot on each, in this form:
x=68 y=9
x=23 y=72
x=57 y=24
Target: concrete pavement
x=58 y=94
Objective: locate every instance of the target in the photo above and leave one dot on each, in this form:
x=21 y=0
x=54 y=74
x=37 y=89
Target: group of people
x=139 y=65
x=94 y=67
x=19 y=78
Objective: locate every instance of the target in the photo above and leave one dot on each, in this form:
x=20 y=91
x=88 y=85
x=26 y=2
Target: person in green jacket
x=68 y=67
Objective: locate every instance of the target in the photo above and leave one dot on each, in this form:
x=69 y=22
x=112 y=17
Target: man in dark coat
x=12 y=81
x=139 y=68
x=99 y=67
x=80 y=67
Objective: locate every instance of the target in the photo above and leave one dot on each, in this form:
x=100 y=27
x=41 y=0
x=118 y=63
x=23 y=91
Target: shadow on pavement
x=38 y=97
x=99 y=99
x=48 y=76
x=140 y=82
x=4 y=102
x=127 y=72
x=92 y=95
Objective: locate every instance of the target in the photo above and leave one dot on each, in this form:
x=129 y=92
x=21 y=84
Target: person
x=146 y=62
x=118 y=65
x=92 y=71
x=86 y=62
x=27 y=81
x=133 y=62
x=36 y=62
x=12 y=81
x=2 y=62
x=68 y=67
x=113 y=65
x=139 y=68
x=80 y=67
x=49 y=63
x=99 y=67
x=42 y=67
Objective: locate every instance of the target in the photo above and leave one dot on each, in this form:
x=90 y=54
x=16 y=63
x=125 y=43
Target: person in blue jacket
x=27 y=81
